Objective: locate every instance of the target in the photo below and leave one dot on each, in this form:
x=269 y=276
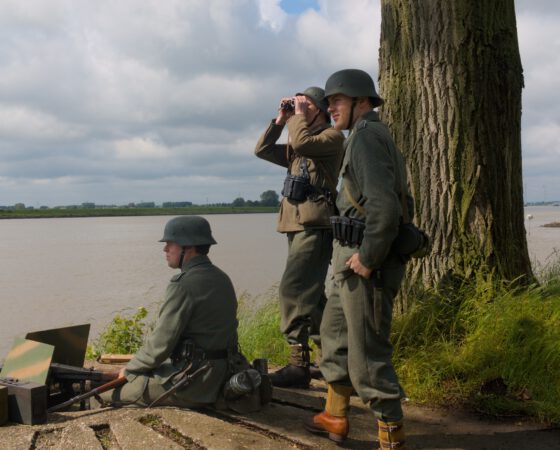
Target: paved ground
x=278 y=426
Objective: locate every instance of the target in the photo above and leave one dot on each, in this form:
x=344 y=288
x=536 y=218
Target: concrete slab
x=78 y=436
x=216 y=434
x=132 y=435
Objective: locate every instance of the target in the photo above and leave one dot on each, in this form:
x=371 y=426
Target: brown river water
x=60 y=272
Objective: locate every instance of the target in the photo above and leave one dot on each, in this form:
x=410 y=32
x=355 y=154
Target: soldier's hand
x=354 y=263
x=300 y=104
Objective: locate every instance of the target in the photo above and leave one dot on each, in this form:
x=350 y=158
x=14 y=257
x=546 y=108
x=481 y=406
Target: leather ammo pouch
x=297 y=187
x=349 y=232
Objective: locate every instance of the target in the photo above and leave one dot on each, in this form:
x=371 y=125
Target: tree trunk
x=451 y=75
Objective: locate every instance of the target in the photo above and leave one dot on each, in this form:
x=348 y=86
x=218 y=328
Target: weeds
x=125 y=334
x=486 y=344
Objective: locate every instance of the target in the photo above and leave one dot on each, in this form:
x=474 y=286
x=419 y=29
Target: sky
x=124 y=101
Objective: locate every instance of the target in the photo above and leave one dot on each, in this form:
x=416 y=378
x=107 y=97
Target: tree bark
x=451 y=75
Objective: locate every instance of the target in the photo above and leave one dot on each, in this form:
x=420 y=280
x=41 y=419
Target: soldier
x=196 y=324
x=312 y=158
x=367 y=272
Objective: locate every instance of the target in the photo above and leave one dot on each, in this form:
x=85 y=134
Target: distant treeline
x=127 y=211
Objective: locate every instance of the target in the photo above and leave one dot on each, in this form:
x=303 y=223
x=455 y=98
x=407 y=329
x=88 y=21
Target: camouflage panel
x=70 y=343
x=28 y=360
x=3 y=405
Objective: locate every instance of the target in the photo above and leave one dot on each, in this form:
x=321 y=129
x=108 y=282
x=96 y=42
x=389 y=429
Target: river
x=60 y=272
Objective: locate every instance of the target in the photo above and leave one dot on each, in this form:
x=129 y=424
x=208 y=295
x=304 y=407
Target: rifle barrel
x=98 y=390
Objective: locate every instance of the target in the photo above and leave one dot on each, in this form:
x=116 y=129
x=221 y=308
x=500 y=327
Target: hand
x=283 y=115
x=121 y=372
x=300 y=104
x=354 y=263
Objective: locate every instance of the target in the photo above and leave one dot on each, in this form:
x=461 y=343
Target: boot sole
x=339 y=439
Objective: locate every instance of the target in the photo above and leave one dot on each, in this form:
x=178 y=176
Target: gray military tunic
x=306 y=223
x=357 y=318
x=200 y=305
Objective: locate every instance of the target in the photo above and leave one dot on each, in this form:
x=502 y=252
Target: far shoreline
x=59 y=213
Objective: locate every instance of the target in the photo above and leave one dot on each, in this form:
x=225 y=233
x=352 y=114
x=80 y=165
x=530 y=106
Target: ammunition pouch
x=348 y=232
x=411 y=242
x=296 y=188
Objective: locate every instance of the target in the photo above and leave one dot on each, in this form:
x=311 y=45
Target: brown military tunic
x=322 y=147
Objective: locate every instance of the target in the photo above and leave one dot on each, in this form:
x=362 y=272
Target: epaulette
x=363 y=124
x=177 y=277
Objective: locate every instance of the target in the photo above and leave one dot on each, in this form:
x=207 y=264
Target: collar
x=195 y=261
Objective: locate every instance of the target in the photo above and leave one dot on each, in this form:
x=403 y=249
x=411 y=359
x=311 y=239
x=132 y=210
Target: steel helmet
x=318 y=96
x=353 y=83
x=188 y=231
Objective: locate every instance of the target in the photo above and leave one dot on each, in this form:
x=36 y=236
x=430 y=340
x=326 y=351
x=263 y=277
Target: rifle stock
x=98 y=390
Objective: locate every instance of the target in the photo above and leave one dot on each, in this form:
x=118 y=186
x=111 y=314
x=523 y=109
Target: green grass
x=486 y=345
x=259 y=332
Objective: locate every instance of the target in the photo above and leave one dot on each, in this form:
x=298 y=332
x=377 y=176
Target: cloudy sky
x=163 y=100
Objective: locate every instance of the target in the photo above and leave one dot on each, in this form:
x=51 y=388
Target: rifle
x=62 y=379
x=96 y=391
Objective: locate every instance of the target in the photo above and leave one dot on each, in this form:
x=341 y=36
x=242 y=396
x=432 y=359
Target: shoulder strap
x=355 y=204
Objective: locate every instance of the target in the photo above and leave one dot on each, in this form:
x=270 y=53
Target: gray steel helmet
x=353 y=83
x=188 y=231
x=318 y=96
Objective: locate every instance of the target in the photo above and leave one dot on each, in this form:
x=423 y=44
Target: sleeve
x=374 y=169
x=319 y=146
x=267 y=148
x=173 y=317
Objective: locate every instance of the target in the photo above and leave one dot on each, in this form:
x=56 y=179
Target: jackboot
x=333 y=421
x=296 y=373
x=391 y=435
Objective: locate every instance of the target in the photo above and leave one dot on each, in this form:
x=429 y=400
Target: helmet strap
x=182 y=257
x=351 y=118
x=315 y=118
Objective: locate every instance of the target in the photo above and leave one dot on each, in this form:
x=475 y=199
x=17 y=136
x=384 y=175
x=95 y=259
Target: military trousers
x=355 y=340
x=302 y=287
x=143 y=390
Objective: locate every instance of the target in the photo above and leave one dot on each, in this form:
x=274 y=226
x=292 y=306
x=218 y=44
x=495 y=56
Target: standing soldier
x=367 y=272
x=312 y=156
x=196 y=327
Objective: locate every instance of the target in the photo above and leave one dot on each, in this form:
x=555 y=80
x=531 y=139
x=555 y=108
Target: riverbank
x=57 y=213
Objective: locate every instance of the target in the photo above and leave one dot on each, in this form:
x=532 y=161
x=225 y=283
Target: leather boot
x=333 y=421
x=391 y=435
x=296 y=373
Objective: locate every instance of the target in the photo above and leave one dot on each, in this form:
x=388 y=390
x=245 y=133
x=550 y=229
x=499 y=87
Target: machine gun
x=65 y=382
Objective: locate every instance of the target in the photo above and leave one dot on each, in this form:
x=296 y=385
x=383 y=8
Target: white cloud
x=140 y=148
x=271 y=14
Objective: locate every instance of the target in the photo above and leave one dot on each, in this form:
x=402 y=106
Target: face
x=173 y=254
x=340 y=106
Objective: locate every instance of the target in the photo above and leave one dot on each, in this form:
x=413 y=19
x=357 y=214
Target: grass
x=486 y=345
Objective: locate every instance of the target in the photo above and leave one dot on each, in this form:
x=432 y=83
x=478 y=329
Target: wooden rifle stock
x=98 y=390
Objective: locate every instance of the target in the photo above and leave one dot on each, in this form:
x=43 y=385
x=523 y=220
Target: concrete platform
x=278 y=426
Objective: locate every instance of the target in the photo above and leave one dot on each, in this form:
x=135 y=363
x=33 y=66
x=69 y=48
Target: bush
x=125 y=334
